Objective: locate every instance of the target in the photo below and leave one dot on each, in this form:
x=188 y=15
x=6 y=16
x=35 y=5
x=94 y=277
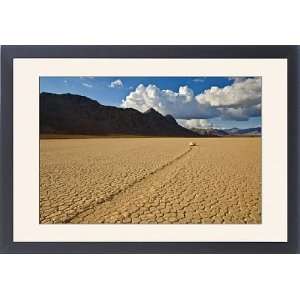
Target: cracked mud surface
x=151 y=180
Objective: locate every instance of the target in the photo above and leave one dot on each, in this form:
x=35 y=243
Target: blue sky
x=112 y=90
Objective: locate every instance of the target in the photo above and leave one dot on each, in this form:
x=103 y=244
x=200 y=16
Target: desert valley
x=102 y=164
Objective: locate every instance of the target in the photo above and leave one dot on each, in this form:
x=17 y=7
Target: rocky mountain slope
x=74 y=114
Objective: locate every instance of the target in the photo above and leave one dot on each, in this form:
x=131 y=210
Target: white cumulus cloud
x=241 y=93
x=116 y=84
x=195 y=123
x=238 y=101
x=87 y=85
x=237 y=79
x=181 y=104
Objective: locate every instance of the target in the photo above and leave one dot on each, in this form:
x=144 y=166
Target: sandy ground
x=151 y=180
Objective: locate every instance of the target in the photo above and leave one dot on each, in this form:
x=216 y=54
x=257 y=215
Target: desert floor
x=150 y=180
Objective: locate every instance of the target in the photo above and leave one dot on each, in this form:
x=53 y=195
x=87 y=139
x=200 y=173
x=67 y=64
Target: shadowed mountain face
x=74 y=114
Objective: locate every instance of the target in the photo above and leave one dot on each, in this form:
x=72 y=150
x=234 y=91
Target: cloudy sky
x=202 y=102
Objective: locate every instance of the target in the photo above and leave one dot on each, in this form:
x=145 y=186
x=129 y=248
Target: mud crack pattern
x=151 y=181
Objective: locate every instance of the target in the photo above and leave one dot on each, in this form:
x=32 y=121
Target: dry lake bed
x=150 y=180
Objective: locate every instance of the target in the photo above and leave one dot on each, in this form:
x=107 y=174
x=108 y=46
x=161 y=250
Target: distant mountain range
x=74 y=114
x=228 y=132
x=247 y=131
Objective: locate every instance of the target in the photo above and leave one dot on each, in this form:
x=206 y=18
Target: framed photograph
x=149 y=149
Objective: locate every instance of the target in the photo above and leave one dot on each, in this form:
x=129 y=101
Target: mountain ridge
x=255 y=131
x=75 y=114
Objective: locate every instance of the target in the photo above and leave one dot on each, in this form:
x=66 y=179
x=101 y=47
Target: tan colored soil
x=151 y=180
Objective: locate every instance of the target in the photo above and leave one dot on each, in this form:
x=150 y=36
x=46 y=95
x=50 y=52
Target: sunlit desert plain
x=150 y=180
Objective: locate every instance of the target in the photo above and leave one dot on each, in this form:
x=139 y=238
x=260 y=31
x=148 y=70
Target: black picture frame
x=9 y=53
